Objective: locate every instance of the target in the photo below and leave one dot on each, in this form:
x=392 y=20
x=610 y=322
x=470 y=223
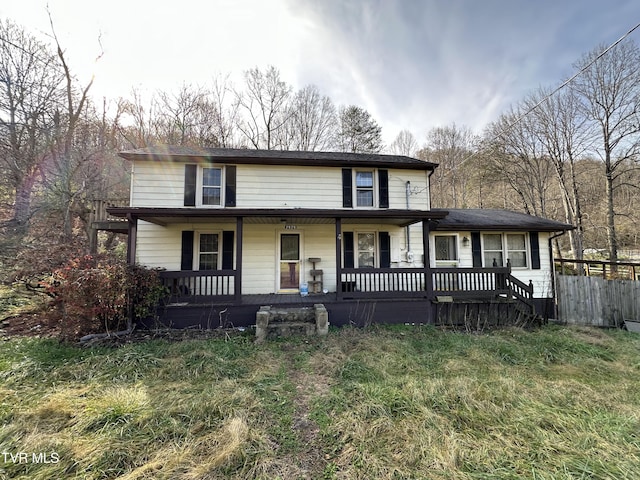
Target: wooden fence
x=595 y=301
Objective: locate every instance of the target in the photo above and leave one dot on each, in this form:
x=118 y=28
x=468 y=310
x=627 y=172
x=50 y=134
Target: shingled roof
x=275 y=157
x=497 y=220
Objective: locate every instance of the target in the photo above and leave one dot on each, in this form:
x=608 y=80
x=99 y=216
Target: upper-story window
x=211 y=186
x=365 y=188
x=206 y=186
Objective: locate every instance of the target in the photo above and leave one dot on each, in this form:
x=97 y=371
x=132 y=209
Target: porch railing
x=459 y=283
x=392 y=282
x=188 y=285
x=470 y=282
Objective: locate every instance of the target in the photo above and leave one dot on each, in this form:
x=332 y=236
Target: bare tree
x=30 y=93
x=65 y=159
x=405 y=143
x=312 y=121
x=223 y=112
x=563 y=131
x=264 y=105
x=449 y=147
x=358 y=132
x=179 y=115
x=516 y=154
x=610 y=90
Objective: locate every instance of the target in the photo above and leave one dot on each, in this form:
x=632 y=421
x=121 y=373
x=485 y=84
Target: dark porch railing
x=354 y=283
x=381 y=282
x=202 y=284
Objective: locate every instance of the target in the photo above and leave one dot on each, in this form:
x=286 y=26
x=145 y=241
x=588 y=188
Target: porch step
x=288 y=321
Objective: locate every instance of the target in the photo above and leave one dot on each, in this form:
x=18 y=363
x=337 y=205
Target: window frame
x=197 y=252
x=200 y=186
x=374 y=188
x=356 y=249
x=451 y=262
x=505 y=251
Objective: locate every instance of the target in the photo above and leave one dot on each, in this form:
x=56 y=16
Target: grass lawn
x=384 y=403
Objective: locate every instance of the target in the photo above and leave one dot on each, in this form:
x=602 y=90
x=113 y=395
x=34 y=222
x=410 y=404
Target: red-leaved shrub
x=101 y=293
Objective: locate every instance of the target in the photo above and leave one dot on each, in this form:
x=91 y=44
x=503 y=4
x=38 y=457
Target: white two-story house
x=234 y=229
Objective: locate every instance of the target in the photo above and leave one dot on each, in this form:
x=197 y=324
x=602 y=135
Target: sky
x=412 y=64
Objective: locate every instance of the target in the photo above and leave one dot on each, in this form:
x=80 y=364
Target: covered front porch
x=253 y=267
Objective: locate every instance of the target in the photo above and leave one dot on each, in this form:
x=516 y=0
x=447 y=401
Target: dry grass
x=394 y=403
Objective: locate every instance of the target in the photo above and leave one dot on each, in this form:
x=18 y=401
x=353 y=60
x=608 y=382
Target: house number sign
x=290 y=227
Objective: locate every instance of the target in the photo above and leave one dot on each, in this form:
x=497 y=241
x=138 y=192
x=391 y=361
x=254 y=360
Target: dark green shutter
x=347 y=188
x=476 y=250
x=385 y=249
x=190 y=174
x=347 y=240
x=383 y=188
x=227 y=250
x=186 y=259
x=534 y=240
x=230 y=186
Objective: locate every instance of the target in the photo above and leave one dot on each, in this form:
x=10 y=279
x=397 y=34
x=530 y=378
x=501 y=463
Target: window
x=366 y=254
x=212 y=186
x=512 y=246
x=517 y=250
x=493 y=256
x=446 y=249
x=364 y=189
x=208 y=251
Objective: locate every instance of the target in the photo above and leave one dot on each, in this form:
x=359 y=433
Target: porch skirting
x=360 y=313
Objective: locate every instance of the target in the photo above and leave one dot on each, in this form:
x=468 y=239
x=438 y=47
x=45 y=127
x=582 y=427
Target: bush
x=101 y=292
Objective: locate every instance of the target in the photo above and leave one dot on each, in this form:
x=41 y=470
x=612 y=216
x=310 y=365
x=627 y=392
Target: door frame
x=301 y=261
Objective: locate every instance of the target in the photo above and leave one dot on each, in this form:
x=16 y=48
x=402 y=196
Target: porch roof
x=275 y=157
x=166 y=216
x=495 y=220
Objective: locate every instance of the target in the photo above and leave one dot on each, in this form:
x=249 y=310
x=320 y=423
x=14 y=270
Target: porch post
x=237 y=288
x=338 y=258
x=132 y=239
x=428 y=280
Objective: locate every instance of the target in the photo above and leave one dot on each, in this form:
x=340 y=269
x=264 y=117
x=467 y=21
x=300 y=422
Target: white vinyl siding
x=281 y=186
x=541 y=278
x=161 y=184
x=157 y=184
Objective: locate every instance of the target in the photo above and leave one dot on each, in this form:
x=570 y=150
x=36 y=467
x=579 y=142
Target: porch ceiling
x=166 y=216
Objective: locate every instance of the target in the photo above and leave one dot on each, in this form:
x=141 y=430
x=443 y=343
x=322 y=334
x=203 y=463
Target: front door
x=289 y=261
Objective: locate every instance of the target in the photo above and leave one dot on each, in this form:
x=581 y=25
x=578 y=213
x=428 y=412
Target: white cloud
x=413 y=64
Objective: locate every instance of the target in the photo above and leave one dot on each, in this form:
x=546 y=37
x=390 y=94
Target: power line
x=548 y=96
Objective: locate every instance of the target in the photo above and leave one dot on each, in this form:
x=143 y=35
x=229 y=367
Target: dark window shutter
x=383 y=188
x=227 y=250
x=347 y=188
x=230 y=186
x=347 y=240
x=190 y=173
x=476 y=250
x=535 y=250
x=186 y=260
x=385 y=249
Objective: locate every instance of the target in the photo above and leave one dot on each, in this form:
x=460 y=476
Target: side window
x=498 y=248
x=493 y=256
x=208 y=251
x=446 y=250
x=517 y=250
